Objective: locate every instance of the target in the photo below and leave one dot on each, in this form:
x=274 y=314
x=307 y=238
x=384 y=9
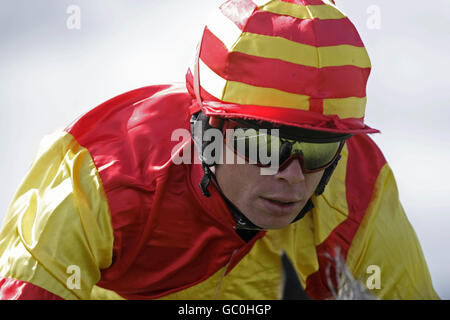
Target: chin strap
x=326 y=177
x=308 y=207
x=206 y=180
x=199 y=122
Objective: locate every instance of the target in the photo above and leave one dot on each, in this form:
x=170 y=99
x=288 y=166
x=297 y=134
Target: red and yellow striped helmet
x=293 y=62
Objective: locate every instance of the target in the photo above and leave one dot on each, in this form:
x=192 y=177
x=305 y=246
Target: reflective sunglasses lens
x=257 y=146
x=317 y=155
x=254 y=144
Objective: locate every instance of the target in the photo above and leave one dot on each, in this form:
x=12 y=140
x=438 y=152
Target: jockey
x=114 y=207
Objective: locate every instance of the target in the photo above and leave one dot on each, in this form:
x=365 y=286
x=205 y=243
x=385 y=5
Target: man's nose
x=292 y=173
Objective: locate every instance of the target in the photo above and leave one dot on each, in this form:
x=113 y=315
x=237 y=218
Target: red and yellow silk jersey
x=105 y=197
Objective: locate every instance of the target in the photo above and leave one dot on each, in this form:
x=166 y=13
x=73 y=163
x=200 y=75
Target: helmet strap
x=326 y=177
x=206 y=180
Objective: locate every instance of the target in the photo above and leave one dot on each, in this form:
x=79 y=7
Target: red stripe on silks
x=213 y=52
x=13 y=289
x=316 y=105
x=365 y=161
x=305 y=2
x=238 y=11
x=314 y=32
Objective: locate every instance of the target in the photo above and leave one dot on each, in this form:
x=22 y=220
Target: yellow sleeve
x=57 y=233
x=385 y=253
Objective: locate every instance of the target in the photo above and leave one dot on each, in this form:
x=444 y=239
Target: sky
x=52 y=70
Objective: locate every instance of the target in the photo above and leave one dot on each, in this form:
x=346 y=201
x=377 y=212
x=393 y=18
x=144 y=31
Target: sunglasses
x=261 y=145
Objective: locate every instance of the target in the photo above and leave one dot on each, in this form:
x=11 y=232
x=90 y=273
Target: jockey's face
x=269 y=201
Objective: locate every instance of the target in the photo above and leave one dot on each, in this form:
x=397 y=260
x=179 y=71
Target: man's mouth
x=282 y=200
x=280 y=205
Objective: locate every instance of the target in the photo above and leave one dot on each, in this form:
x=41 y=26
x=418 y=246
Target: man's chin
x=275 y=222
x=277 y=226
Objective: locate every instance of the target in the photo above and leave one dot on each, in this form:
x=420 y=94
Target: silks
x=104 y=196
x=294 y=62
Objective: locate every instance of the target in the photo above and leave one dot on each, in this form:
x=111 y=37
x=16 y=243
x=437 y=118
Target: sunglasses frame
x=237 y=123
